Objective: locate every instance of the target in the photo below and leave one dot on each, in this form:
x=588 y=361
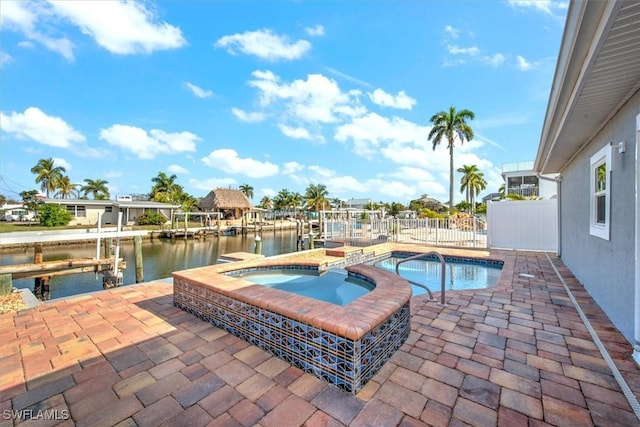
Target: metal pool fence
x=462 y=232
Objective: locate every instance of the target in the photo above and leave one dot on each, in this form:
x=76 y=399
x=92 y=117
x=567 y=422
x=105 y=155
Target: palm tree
x=98 y=188
x=467 y=171
x=162 y=186
x=66 y=188
x=316 y=196
x=48 y=175
x=282 y=200
x=472 y=182
x=247 y=190
x=266 y=202
x=477 y=183
x=448 y=124
x=336 y=202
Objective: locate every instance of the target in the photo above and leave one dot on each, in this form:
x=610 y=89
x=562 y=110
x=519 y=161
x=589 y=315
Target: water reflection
x=161 y=257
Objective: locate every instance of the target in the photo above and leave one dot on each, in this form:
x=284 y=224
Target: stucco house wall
x=605 y=268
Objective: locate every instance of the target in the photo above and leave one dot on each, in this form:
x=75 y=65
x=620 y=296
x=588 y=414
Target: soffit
x=605 y=85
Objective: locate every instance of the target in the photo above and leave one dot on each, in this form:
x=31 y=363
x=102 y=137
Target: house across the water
x=87 y=212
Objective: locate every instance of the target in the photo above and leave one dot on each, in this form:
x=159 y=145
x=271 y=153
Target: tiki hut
x=230 y=203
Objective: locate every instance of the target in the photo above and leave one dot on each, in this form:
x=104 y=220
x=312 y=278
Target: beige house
x=231 y=204
x=87 y=212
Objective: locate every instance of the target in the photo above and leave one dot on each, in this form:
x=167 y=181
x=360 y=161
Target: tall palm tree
x=247 y=190
x=97 y=188
x=48 y=175
x=448 y=125
x=66 y=188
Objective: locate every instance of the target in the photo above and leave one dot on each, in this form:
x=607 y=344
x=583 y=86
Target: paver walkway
x=512 y=356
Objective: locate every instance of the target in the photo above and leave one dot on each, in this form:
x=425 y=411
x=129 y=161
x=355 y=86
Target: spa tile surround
x=344 y=345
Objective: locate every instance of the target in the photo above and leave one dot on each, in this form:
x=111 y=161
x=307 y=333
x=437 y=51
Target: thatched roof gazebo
x=229 y=202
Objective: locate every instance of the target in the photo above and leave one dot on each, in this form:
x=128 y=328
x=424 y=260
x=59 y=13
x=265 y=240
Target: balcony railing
x=524 y=191
x=517 y=166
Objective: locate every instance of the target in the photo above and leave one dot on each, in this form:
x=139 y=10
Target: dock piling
x=137 y=248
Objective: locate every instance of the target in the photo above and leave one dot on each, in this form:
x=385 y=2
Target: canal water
x=161 y=257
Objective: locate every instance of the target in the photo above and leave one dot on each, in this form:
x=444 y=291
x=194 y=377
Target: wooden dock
x=59 y=268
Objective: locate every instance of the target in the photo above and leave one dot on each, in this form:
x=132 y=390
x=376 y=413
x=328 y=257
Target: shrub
x=428 y=213
x=52 y=215
x=151 y=218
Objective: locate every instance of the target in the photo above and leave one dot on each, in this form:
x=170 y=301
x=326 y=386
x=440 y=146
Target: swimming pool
x=461 y=273
x=333 y=286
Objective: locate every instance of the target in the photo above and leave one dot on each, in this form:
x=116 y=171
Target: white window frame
x=601 y=230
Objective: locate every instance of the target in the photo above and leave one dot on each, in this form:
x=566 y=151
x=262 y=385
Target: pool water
x=333 y=286
x=460 y=275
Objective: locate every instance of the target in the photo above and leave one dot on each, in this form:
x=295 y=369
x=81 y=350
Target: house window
x=77 y=211
x=600 y=193
x=108 y=209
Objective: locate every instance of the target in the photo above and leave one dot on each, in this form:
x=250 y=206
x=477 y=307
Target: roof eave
x=586 y=23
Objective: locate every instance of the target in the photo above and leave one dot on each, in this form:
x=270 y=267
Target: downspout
x=558 y=181
x=636 y=344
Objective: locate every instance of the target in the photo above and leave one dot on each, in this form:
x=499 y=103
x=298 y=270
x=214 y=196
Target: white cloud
x=37 y=126
x=522 y=64
x=546 y=6
x=243 y=116
x=177 y=169
x=122 y=28
x=349 y=77
x=58 y=161
x=467 y=51
x=384 y=99
x=317 y=99
x=295 y=133
x=197 y=91
x=227 y=160
x=451 y=31
x=5 y=58
x=368 y=133
x=291 y=168
x=264 y=44
x=148 y=145
x=268 y=192
x=473 y=53
x=23 y=17
x=494 y=60
x=315 y=31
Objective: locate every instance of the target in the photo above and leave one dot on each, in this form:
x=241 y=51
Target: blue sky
x=274 y=94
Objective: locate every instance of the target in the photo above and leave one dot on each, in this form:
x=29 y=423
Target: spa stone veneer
x=344 y=345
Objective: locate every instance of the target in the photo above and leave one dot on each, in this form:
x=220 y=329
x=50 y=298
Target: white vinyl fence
x=466 y=232
x=523 y=224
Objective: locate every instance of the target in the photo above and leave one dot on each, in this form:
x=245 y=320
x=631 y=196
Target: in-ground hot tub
x=344 y=345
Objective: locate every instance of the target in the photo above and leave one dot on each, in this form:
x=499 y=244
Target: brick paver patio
x=514 y=355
